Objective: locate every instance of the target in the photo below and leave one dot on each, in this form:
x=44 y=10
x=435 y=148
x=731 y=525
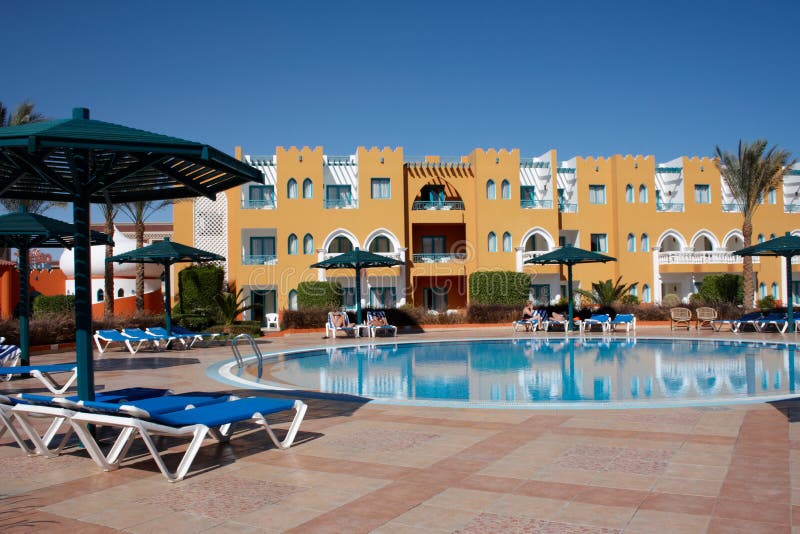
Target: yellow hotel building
x=668 y=224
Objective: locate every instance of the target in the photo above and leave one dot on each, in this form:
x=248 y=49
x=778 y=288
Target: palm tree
x=23 y=114
x=230 y=306
x=109 y=212
x=139 y=212
x=750 y=174
x=607 y=292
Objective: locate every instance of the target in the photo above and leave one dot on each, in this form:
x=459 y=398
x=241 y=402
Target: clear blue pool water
x=528 y=371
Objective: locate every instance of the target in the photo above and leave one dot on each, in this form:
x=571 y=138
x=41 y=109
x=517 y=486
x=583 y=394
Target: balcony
x=536 y=204
x=669 y=206
x=260 y=259
x=730 y=207
x=340 y=203
x=530 y=254
x=262 y=204
x=700 y=258
x=399 y=256
x=439 y=258
x=791 y=208
x=563 y=207
x=437 y=205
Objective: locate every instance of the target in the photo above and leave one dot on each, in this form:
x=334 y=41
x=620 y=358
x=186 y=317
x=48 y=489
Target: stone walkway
x=357 y=467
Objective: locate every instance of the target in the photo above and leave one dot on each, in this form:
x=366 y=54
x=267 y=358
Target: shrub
x=198 y=287
x=499 y=287
x=767 y=303
x=671 y=300
x=253 y=328
x=53 y=304
x=319 y=295
x=304 y=318
x=193 y=321
x=722 y=288
x=493 y=313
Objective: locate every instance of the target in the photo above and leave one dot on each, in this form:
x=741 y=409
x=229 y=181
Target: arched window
x=760 y=238
x=643 y=194
x=645 y=293
x=380 y=244
x=762 y=290
x=292 y=244
x=507 y=242
x=491 y=194
x=340 y=245
x=775 y=290
x=308 y=188
x=505 y=189
x=120 y=293
x=645 y=246
x=492 y=242
x=631 y=243
x=629 y=194
x=308 y=244
x=634 y=291
x=291 y=188
x=100 y=295
x=292 y=299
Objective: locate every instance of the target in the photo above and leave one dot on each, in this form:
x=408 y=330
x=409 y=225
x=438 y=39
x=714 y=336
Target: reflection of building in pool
x=670 y=224
x=364 y=370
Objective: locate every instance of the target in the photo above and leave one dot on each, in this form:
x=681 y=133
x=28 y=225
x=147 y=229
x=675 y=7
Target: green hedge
x=499 y=287
x=53 y=304
x=319 y=295
x=722 y=288
x=198 y=286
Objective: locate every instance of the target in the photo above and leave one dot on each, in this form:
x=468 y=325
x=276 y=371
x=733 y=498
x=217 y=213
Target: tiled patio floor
x=358 y=467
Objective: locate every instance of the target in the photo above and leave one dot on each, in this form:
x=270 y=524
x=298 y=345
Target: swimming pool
x=529 y=372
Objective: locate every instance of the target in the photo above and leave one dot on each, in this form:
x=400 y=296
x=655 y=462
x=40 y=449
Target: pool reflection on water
x=542 y=370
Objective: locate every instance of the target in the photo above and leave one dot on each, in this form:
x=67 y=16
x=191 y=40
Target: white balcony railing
x=530 y=254
x=439 y=258
x=701 y=257
x=399 y=256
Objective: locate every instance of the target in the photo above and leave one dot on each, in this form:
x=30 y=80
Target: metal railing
x=338 y=203
x=530 y=254
x=791 y=208
x=563 y=207
x=260 y=259
x=532 y=163
x=439 y=258
x=700 y=257
x=729 y=207
x=437 y=205
x=340 y=160
x=249 y=342
x=669 y=206
x=394 y=255
x=535 y=204
x=250 y=204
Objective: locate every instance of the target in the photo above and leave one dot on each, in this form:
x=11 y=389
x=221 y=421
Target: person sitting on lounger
x=558 y=317
x=527 y=311
x=378 y=319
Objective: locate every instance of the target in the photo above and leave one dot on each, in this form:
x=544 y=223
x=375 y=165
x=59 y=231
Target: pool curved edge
x=224 y=372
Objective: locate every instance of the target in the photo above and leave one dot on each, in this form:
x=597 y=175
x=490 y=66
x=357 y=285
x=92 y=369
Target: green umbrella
x=569 y=256
x=357 y=259
x=165 y=253
x=25 y=231
x=82 y=161
x=788 y=246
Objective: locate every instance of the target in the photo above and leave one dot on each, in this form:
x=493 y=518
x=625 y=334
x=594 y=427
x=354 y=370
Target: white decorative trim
x=382 y=232
x=705 y=233
x=340 y=232
x=671 y=232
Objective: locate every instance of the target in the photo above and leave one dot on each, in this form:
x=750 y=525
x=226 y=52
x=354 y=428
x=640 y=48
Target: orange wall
x=126 y=306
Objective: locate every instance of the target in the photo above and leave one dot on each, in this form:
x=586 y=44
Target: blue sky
x=586 y=78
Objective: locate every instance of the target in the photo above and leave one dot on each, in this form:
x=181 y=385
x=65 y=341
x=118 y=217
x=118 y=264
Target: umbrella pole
x=83 y=290
x=358 y=295
x=167 y=303
x=569 y=293
x=789 y=293
x=24 y=306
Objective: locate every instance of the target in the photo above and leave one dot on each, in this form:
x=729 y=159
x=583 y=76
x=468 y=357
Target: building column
x=518 y=256
x=320 y=257
x=656 y=276
x=401 y=284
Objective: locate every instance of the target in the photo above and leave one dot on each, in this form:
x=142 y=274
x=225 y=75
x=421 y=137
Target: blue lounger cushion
x=223 y=413
x=52 y=368
x=158 y=405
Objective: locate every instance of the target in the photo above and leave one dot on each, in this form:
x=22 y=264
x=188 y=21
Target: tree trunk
x=108 y=286
x=747 y=267
x=139 y=270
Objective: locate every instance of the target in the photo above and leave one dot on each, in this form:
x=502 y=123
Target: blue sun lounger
x=43 y=372
x=57 y=409
x=777 y=319
x=208 y=337
x=601 y=320
x=736 y=324
x=216 y=419
x=628 y=320
x=104 y=338
x=184 y=339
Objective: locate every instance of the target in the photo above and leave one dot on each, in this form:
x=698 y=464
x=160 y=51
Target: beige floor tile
x=650 y=521
x=435 y=517
x=595 y=514
x=536 y=507
x=463 y=499
x=688 y=486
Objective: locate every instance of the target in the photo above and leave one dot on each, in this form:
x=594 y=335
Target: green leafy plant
x=499 y=287
x=607 y=292
x=198 y=286
x=230 y=306
x=766 y=303
x=324 y=295
x=718 y=288
x=53 y=304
